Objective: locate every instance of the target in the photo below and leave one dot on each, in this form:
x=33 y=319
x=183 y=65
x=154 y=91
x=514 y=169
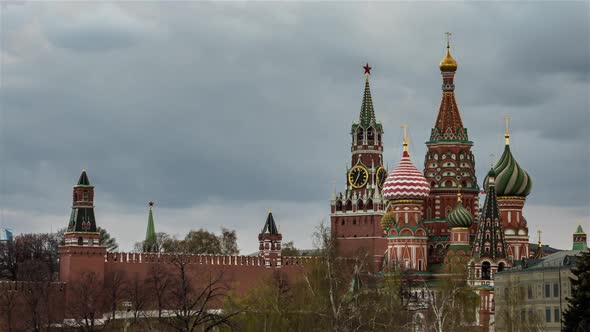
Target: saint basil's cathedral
x=431 y=221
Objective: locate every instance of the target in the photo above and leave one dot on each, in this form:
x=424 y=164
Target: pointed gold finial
x=539 y=232
x=269 y=210
x=406 y=139
x=507 y=133
x=458 y=193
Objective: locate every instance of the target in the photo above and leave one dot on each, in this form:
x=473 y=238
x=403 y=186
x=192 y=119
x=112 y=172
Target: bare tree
x=159 y=282
x=86 y=301
x=196 y=300
x=138 y=294
x=8 y=301
x=115 y=288
x=451 y=304
x=511 y=314
x=37 y=293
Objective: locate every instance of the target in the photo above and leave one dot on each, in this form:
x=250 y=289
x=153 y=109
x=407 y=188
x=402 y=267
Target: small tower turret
x=82 y=229
x=270 y=243
x=580 y=241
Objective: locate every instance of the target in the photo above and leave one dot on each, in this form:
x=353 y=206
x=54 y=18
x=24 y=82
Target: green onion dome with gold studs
x=388 y=221
x=459 y=216
x=511 y=179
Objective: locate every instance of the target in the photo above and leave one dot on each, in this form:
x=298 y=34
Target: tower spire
x=367 y=114
x=507 y=133
x=149 y=244
x=406 y=140
x=448 y=126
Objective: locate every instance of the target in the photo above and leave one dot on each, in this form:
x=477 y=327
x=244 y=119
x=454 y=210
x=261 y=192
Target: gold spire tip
x=459 y=193
x=406 y=139
x=507 y=131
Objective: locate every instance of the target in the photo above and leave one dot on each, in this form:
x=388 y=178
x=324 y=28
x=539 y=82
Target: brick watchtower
x=82 y=250
x=448 y=163
x=356 y=213
x=270 y=243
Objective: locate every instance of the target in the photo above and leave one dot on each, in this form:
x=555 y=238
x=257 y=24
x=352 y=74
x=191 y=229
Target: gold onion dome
x=448 y=64
x=459 y=216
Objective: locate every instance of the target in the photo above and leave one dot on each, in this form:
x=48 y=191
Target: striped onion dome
x=511 y=179
x=459 y=217
x=405 y=181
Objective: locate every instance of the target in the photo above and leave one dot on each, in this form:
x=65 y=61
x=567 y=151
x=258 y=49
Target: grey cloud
x=251 y=102
x=103 y=28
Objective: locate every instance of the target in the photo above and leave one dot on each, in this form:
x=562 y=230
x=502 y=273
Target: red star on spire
x=367 y=69
x=151 y=204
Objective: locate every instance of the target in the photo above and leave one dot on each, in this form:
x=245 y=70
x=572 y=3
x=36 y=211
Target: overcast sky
x=218 y=112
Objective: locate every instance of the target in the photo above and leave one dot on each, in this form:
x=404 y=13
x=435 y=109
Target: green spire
x=150 y=234
x=367 y=116
x=579 y=230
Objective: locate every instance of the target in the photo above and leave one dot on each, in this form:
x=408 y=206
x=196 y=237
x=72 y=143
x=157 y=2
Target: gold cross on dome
x=539 y=232
x=448 y=34
x=507 y=119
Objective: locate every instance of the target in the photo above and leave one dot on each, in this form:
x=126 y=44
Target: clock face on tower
x=358 y=176
x=381 y=176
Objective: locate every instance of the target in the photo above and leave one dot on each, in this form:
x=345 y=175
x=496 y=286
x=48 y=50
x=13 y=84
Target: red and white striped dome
x=405 y=182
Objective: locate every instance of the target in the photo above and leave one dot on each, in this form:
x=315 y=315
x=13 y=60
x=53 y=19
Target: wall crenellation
x=165 y=258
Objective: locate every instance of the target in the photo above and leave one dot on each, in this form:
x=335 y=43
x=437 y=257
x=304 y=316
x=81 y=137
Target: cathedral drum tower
x=405 y=190
x=513 y=185
x=448 y=164
x=356 y=213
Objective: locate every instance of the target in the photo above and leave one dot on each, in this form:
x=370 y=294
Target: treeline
x=337 y=294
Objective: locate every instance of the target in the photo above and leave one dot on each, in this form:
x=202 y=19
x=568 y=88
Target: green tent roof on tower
x=367 y=114
x=149 y=244
x=579 y=230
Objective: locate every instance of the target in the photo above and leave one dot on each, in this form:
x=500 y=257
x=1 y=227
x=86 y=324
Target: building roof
x=511 y=179
x=489 y=231
x=564 y=258
x=6 y=235
x=405 y=181
x=459 y=216
x=83 y=181
x=150 y=234
x=270 y=227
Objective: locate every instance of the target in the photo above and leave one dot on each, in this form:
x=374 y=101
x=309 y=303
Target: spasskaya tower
x=356 y=213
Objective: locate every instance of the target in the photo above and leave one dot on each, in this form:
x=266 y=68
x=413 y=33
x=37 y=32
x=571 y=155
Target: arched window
x=359 y=136
x=485 y=271
x=501 y=267
x=370 y=136
x=80 y=241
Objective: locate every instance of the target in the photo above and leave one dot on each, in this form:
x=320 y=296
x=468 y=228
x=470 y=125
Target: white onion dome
x=405 y=181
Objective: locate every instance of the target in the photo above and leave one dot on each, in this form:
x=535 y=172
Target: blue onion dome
x=387 y=221
x=511 y=179
x=459 y=216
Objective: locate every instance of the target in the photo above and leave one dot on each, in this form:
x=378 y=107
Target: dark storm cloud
x=253 y=102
